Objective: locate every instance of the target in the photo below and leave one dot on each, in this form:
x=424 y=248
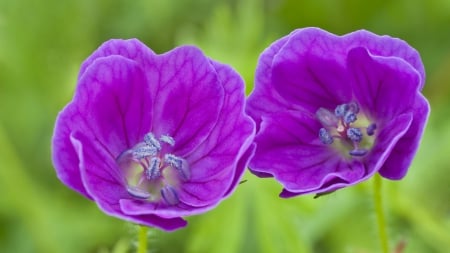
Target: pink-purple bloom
x=331 y=111
x=153 y=138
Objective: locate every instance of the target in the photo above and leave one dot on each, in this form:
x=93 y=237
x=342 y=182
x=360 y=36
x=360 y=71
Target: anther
x=151 y=141
x=169 y=194
x=179 y=164
x=153 y=172
x=354 y=134
x=341 y=110
x=327 y=118
x=138 y=192
x=350 y=117
x=353 y=107
x=143 y=151
x=358 y=152
x=325 y=136
x=371 y=129
x=167 y=139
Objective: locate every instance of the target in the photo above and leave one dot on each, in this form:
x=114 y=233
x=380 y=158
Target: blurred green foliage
x=42 y=44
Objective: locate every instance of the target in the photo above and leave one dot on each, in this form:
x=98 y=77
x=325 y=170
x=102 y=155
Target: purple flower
x=333 y=110
x=152 y=138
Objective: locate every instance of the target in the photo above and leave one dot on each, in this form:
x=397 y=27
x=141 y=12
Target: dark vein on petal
x=122 y=120
x=319 y=82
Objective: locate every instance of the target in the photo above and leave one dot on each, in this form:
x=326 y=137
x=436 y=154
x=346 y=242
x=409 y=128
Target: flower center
x=151 y=172
x=345 y=126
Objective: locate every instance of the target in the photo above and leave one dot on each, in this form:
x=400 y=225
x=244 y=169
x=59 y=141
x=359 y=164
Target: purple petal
x=218 y=156
x=294 y=68
x=346 y=173
x=336 y=172
x=218 y=163
x=310 y=75
x=187 y=97
x=64 y=157
x=113 y=98
x=131 y=49
x=206 y=193
x=388 y=47
x=288 y=147
x=98 y=94
x=317 y=41
x=384 y=87
x=100 y=174
x=386 y=140
x=264 y=98
x=397 y=164
x=232 y=134
x=133 y=207
x=167 y=224
x=240 y=168
x=105 y=184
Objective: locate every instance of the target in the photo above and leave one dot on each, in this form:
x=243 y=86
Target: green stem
x=377 y=197
x=142 y=246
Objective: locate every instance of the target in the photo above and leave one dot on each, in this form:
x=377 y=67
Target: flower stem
x=142 y=245
x=377 y=197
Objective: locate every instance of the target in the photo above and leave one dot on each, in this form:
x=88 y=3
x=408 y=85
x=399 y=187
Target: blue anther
x=350 y=117
x=151 y=141
x=170 y=196
x=179 y=164
x=354 y=134
x=153 y=172
x=142 y=151
x=172 y=160
x=325 y=136
x=358 y=152
x=341 y=110
x=167 y=139
x=371 y=129
x=138 y=193
x=327 y=118
x=353 y=107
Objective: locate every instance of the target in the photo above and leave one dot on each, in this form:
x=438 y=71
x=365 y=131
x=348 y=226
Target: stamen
x=353 y=107
x=358 y=152
x=151 y=141
x=350 y=117
x=179 y=164
x=138 y=192
x=143 y=151
x=371 y=129
x=327 y=118
x=341 y=110
x=354 y=134
x=153 y=172
x=148 y=169
x=170 y=196
x=325 y=136
x=167 y=139
x=339 y=125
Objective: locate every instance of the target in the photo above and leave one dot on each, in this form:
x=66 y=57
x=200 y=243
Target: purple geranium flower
x=333 y=110
x=152 y=138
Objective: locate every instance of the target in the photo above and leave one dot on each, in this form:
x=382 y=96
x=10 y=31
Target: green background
x=42 y=44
